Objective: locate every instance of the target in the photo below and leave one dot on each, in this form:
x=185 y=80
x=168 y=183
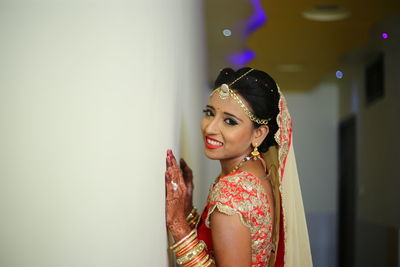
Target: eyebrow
x=226 y=113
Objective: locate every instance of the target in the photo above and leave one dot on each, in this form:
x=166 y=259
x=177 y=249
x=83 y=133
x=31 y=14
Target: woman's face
x=227 y=131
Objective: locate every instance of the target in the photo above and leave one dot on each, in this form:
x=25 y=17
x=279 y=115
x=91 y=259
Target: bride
x=254 y=214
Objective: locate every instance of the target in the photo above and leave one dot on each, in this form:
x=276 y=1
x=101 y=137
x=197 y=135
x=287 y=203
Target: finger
x=169 y=191
x=186 y=167
x=182 y=163
x=168 y=185
x=177 y=173
x=167 y=159
x=172 y=158
x=188 y=175
x=173 y=190
x=176 y=179
x=166 y=182
x=170 y=155
x=174 y=174
x=167 y=177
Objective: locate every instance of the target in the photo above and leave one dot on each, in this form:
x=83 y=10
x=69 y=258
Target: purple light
x=241 y=59
x=257 y=19
x=385 y=35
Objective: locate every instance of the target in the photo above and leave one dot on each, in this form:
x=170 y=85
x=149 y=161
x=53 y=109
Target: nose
x=212 y=126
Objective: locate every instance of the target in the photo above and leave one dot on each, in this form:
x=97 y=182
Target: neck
x=227 y=165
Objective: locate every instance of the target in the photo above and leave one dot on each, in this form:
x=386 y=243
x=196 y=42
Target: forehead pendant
x=224 y=91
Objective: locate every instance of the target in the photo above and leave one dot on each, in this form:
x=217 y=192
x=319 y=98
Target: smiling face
x=228 y=133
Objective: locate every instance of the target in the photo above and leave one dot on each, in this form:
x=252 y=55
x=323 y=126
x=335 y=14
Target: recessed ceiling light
x=326 y=13
x=290 y=67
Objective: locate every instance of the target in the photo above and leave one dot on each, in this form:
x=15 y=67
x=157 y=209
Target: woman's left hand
x=175 y=202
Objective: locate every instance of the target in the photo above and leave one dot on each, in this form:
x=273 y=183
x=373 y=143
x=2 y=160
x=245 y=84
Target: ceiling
x=309 y=50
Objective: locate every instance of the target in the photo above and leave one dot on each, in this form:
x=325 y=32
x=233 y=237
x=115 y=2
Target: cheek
x=239 y=136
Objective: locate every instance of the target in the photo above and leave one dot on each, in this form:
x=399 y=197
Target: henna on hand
x=188 y=179
x=175 y=203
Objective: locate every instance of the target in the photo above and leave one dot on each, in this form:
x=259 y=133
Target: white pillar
x=90 y=99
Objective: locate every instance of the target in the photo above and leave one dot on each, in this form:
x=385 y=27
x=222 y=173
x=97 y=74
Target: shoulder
x=237 y=193
x=237 y=182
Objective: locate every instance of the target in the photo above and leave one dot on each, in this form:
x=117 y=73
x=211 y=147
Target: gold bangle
x=208 y=263
x=187 y=248
x=203 y=261
x=192 y=253
x=200 y=257
x=183 y=245
x=184 y=240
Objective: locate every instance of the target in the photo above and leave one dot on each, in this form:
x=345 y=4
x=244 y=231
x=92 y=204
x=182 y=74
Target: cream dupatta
x=281 y=163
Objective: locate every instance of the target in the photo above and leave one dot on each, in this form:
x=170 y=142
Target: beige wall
x=91 y=94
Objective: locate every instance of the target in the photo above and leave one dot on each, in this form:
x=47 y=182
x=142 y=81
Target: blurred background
x=93 y=93
x=338 y=64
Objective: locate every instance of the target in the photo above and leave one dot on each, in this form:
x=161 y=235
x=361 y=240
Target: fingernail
x=167 y=176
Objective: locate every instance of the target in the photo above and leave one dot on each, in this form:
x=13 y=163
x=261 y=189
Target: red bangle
x=188 y=247
x=198 y=259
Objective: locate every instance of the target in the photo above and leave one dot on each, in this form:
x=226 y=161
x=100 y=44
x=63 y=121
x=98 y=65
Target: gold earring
x=255 y=152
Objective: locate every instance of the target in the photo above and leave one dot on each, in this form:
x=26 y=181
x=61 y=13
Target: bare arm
x=231 y=240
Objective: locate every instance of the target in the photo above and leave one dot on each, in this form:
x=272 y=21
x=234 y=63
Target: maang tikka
x=225 y=91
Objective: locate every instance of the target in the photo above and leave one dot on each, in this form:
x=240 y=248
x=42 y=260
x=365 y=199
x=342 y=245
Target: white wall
x=315 y=141
x=90 y=97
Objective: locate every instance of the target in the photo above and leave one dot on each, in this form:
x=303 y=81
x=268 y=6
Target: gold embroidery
x=283 y=137
x=226 y=210
x=243 y=194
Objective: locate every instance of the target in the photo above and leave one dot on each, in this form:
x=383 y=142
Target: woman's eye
x=230 y=121
x=208 y=112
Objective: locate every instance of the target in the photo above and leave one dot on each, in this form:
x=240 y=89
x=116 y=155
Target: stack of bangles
x=193 y=218
x=191 y=252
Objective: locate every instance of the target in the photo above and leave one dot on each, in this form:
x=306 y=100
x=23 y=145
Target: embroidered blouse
x=241 y=193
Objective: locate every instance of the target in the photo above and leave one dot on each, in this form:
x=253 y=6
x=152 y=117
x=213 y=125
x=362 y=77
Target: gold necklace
x=241 y=163
x=236 y=167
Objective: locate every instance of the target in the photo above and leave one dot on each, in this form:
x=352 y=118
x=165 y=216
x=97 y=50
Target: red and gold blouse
x=241 y=193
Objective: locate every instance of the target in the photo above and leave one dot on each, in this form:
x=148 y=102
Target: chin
x=211 y=155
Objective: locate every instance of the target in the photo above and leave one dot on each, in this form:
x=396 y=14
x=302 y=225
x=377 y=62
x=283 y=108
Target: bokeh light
x=385 y=35
x=339 y=74
x=227 y=32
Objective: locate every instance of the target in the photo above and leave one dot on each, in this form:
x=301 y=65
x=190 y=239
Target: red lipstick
x=214 y=144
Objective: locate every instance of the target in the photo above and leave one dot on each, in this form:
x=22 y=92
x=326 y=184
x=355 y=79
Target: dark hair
x=261 y=92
